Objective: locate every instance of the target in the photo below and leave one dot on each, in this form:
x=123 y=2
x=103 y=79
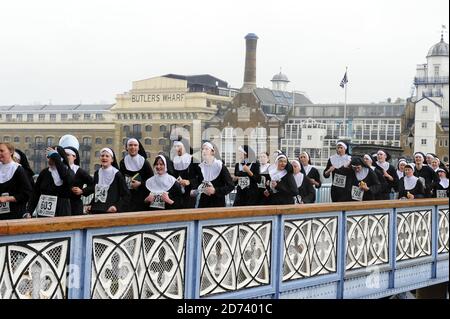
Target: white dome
x=280 y=77
x=439 y=49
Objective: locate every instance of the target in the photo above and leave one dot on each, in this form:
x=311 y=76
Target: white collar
x=211 y=171
x=182 y=162
x=384 y=165
x=400 y=174
x=158 y=184
x=410 y=182
x=275 y=174
x=338 y=161
x=264 y=168
x=362 y=174
x=74 y=168
x=134 y=163
x=106 y=175
x=55 y=175
x=444 y=182
x=7 y=171
x=299 y=179
x=307 y=168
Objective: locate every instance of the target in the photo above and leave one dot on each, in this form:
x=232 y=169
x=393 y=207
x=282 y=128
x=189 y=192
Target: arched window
x=148 y=141
x=148 y=128
x=98 y=140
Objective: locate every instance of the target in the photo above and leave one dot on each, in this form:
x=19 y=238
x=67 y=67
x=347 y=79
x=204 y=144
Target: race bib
x=101 y=193
x=158 y=202
x=263 y=182
x=357 y=193
x=47 y=206
x=243 y=182
x=441 y=193
x=4 y=207
x=339 y=180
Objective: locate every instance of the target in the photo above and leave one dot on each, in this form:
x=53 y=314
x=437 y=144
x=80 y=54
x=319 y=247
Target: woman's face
x=179 y=150
x=368 y=161
x=442 y=174
x=357 y=168
x=5 y=154
x=282 y=162
x=207 y=152
x=434 y=163
x=340 y=150
x=70 y=158
x=418 y=159
x=408 y=172
x=133 y=148
x=304 y=159
x=296 y=167
x=241 y=156
x=401 y=166
x=263 y=159
x=106 y=159
x=160 y=167
x=430 y=159
x=381 y=157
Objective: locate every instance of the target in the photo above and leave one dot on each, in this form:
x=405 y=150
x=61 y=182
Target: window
x=16 y=139
x=6 y=139
x=63 y=117
x=87 y=141
x=53 y=117
x=109 y=141
x=208 y=103
x=97 y=154
x=162 y=142
x=98 y=140
x=87 y=116
x=126 y=128
x=148 y=128
x=148 y=141
x=424 y=141
x=424 y=108
x=446 y=143
x=98 y=116
x=27 y=139
x=162 y=128
x=50 y=140
x=8 y=117
x=424 y=124
x=19 y=117
x=76 y=116
x=29 y=117
x=436 y=70
x=309 y=137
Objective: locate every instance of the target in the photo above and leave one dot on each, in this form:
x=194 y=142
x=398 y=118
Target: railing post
x=341 y=253
x=278 y=256
x=434 y=239
x=393 y=247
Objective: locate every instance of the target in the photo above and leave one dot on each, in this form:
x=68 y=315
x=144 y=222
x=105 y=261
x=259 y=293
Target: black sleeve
x=86 y=179
x=309 y=193
x=326 y=169
x=25 y=189
x=374 y=186
x=65 y=173
x=255 y=170
x=393 y=172
x=193 y=174
x=124 y=194
x=175 y=195
x=287 y=185
x=228 y=183
x=36 y=193
x=316 y=176
x=401 y=188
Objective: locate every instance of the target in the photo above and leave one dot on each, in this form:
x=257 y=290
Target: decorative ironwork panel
x=367 y=241
x=235 y=257
x=309 y=247
x=443 y=231
x=35 y=269
x=144 y=265
x=413 y=234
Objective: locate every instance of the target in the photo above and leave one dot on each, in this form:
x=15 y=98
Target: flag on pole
x=344 y=80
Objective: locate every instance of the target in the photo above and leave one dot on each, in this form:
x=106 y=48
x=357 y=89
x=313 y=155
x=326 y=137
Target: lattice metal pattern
x=34 y=270
x=144 y=265
x=413 y=234
x=235 y=257
x=367 y=240
x=443 y=231
x=309 y=247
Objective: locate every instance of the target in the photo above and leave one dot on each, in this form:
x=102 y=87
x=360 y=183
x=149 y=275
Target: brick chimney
x=250 y=63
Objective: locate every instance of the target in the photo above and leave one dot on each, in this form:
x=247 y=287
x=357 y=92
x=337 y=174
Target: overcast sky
x=89 y=51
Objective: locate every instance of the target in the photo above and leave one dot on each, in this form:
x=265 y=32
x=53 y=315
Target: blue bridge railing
x=339 y=250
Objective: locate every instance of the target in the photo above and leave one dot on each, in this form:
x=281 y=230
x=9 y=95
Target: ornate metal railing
x=338 y=250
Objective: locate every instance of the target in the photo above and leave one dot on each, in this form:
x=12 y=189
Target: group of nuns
x=183 y=182
x=372 y=177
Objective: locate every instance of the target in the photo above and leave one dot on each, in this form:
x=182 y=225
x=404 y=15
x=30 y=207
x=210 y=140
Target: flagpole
x=345 y=106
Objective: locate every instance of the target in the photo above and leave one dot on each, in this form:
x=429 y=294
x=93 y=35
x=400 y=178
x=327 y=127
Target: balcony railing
x=431 y=80
x=433 y=94
x=339 y=250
